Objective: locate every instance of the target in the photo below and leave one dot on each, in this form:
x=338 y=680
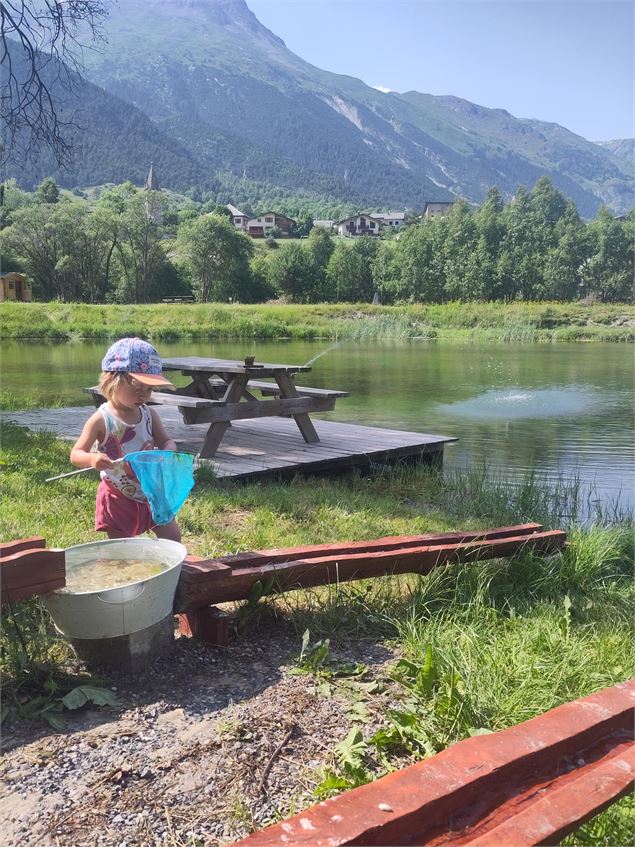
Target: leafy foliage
x=133 y=246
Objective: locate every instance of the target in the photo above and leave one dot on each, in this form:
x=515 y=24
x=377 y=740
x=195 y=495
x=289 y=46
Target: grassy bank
x=510 y=638
x=516 y=322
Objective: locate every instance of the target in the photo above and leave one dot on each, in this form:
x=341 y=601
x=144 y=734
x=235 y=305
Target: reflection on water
x=565 y=410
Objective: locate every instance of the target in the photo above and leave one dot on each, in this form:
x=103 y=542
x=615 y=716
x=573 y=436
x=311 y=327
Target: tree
x=608 y=273
x=518 y=265
x=320 y=248
x=303 y=227
x=292 y=273
x=40 y=42
x=491 y=230
x=47 y=191
x=462 y=277
x=565 y=260
x=349 y=273
x=217 y=257
x=140 y=255
x=11 y=199
x=419 y=262
x=32 y=239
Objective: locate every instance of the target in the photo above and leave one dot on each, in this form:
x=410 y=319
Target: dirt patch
x=209 y=745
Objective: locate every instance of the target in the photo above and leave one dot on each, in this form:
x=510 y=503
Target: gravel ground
x=193 y=756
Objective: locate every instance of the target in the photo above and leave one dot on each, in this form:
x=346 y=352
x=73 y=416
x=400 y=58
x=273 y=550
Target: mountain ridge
x=234 y=98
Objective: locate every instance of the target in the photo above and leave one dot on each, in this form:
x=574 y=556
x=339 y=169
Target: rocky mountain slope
x=243 y=109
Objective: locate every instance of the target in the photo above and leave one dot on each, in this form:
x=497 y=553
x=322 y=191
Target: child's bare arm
x=160 y=434
x=81 y=456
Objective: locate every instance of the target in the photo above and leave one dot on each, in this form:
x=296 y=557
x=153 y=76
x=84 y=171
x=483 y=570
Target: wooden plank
x=183 y=401
x=212 y=366
x=560 y=810
x=19 y=593
x=524 y=786
x=8 y=548
x=272 y=388
x=195 y=567
x=390 y=542
x=24 y=573
x=326 y=570
x=213 y=411
x=160 y=397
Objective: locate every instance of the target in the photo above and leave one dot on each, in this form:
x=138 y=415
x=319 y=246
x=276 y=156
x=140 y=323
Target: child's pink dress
x=122 y=507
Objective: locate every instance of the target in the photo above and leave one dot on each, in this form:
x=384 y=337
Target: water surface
x=565 y=410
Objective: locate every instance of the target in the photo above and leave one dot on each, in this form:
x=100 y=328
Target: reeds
x=511 y=323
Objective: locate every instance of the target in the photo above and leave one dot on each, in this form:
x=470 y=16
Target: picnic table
x=224 y=390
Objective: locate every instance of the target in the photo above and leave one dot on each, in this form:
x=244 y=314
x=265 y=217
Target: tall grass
x=508 y=639
x=513 y=323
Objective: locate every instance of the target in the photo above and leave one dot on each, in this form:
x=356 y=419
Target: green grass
x=513 y=323
x=503 y=640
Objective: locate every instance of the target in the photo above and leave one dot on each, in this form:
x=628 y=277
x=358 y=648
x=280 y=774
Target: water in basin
x=102 y=574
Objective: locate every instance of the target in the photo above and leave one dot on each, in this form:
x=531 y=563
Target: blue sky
x=566 y=61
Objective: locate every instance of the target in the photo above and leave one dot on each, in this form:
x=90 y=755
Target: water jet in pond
x=515 y=403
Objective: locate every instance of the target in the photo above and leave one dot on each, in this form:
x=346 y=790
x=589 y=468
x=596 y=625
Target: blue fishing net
x=166 y=478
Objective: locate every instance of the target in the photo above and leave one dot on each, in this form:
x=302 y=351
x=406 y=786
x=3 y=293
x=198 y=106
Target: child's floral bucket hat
x=137 y=358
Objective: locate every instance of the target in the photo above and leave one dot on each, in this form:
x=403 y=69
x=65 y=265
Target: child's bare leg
x=171 y=531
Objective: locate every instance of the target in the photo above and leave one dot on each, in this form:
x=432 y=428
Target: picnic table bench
x=222 y=390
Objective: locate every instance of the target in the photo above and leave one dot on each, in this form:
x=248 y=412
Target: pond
x=564 y=410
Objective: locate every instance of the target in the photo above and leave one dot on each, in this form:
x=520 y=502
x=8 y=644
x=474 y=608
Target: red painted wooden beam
x=27 y=569
x=531 y=784
x=390 y=542
x=207 y=582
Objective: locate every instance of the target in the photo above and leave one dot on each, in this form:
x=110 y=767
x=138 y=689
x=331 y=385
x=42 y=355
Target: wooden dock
x=268 y=446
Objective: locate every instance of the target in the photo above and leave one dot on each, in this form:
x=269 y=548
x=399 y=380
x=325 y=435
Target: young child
x=125 y=424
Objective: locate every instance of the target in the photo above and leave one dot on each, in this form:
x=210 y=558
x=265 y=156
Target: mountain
x=622 y=147
x=223 y=90
x=111 y=140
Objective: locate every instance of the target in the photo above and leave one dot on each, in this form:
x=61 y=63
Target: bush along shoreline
x=519 y=322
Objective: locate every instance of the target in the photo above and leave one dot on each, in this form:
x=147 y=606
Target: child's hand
x=101 y=462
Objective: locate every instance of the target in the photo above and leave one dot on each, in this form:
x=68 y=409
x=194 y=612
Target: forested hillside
x=238 y=117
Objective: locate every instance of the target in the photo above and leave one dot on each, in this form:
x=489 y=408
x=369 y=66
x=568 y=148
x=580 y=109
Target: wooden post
x=305 y=425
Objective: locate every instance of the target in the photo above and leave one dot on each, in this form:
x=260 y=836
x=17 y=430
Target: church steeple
x=152 y=183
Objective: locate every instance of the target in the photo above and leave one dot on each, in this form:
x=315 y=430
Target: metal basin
x=125 y=609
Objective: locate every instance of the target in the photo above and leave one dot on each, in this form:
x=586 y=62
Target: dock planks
x=267 y=446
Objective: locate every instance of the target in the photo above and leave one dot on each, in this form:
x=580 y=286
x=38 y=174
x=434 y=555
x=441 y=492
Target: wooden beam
x=214 y=411
x=216 y=582
x=30 y=572
x=389 y=542
x=528 y=785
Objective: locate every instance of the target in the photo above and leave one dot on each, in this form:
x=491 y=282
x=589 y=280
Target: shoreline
x=525 y=322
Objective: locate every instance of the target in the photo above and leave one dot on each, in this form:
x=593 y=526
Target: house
x=431 y=210
x=259 y=227
x=392 y=220
x=359 y=225
x=15 y=287
x=239 y=218
x=325 y=224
